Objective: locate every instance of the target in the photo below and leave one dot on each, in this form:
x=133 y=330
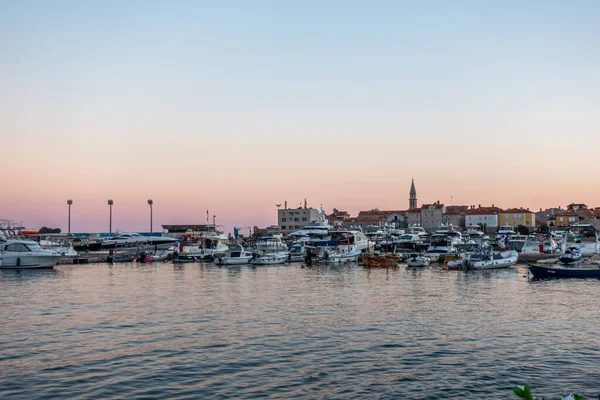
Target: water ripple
x=201 y=331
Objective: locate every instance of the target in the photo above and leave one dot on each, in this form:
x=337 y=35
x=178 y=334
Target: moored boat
x=379 y=261
x=488 y=260
x=418 y=260
x=26 y=254
x=342 y=256
x=235 y=256
x=269 y=258
x=565 y=271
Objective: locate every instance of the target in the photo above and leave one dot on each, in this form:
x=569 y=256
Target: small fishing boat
x=121 y=258
x=158 y=256
x=186 y=259
x=269 y=258
x=570 y=256
x=379 y=261
x=488 y=260
x=235 y=256
x=577 y=270
x=418 y=260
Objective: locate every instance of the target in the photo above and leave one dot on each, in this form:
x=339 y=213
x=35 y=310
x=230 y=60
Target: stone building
x=293 y=219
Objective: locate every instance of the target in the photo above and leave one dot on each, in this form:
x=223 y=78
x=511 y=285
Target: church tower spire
x=412 y=201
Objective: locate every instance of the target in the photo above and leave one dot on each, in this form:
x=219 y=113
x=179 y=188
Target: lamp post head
x=150 y=202
x=69 y=202
x=110 y=202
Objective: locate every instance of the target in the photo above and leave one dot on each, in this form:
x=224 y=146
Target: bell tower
x=412 y=201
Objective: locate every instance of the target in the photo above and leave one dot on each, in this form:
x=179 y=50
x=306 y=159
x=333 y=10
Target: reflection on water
x=163 y=330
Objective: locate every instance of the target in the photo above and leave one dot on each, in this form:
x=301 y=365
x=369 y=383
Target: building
x=432 y=216
x=293 y=219
x=483 y=216
x=517 y=216
x=547 y=216
x=567 y=218
x=412 y=200
x=269 y=230
x=454 y=217
x=413 y=217
x=394 y=217
x=338 y=218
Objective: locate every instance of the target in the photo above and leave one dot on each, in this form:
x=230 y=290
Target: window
x=304 y=219
x=296 y=219
x=282 y=219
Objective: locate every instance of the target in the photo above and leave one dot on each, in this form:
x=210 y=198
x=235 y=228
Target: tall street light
x=110 y=204
x=150 y=202
x=69 y=202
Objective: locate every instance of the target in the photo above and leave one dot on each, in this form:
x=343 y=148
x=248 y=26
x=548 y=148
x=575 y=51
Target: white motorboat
x=236 y=255
x=441 y=244
x=490 y=260
x=135 y=239
x=342 y=256
x=26 y=254
x=64 y=247
x=584 y=238
x=298 y=251
x=544 y=243
x=418 y=260
x=506 y=230
x=352 y=240
x=317 y=229
x=211 y=245
x=269 y=258
x=269 y=244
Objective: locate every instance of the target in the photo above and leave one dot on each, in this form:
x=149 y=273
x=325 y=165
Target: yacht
x=26 y=254
x=352 y=240
x=417 y=230
x=269 y=244
x=211 y=245
x=450 y=233
x=135 y=239
x=441 y=244
x=475 y=232
x=235 y=256
x=318 y=228
x=506 y=230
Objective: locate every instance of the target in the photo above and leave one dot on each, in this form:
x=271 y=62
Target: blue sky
x=401 y=89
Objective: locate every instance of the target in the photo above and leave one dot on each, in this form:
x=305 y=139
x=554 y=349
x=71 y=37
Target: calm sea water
x=202 y=331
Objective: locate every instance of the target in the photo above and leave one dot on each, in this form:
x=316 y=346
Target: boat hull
x=541 y=272
x=233 y=260
x=29 y=262
x=269 y=259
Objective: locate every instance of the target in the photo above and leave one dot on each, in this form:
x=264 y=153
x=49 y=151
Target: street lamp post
x=69 y=202
x=110 y=204
x=150 y=202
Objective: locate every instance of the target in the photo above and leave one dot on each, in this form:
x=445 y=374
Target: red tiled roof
x=414 y=211
x=517 y=210
x=426 y=206
x=567 y=214
x=454 y=212
x=483 y=211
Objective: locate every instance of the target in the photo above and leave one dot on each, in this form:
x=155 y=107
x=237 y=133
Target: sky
x=236 y=106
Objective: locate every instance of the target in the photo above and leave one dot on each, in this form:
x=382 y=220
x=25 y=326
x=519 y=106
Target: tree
x=44 y=230
x=523 y=230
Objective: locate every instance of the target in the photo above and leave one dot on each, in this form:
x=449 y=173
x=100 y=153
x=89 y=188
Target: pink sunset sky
x=237 y=109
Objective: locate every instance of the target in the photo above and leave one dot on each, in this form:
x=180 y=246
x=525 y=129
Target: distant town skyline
x=237 y=107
